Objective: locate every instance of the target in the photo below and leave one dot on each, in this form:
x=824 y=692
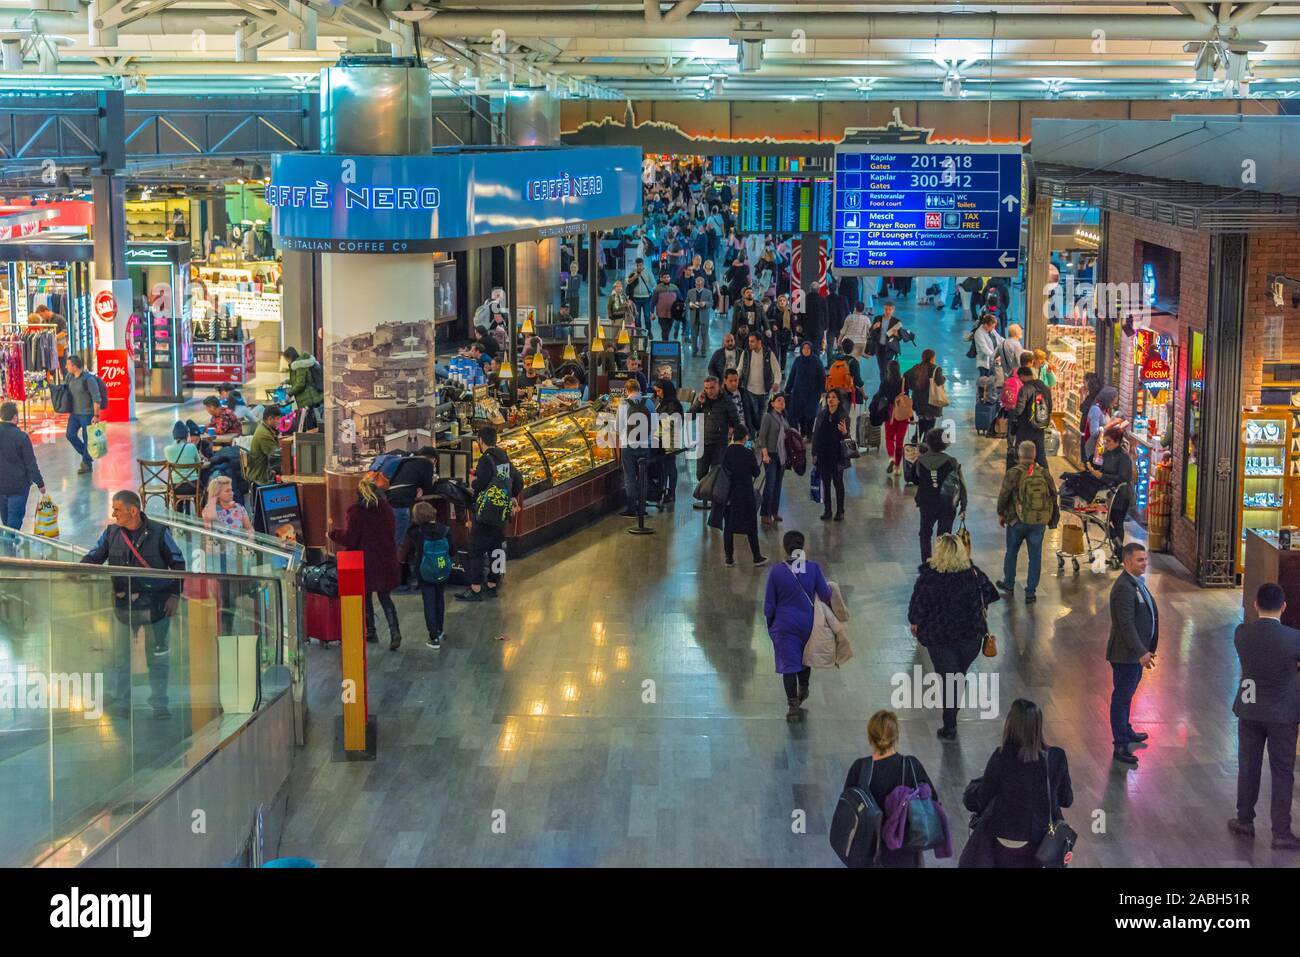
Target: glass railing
x=114 y=682
x=230 y=552
x=16 y=544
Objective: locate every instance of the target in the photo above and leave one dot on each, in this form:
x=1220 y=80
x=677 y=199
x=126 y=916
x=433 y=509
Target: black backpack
x=318 y=377
x=858 y=823
x=492 y=505
x=61 y=398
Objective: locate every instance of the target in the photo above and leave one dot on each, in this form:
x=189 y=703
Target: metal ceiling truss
x=1191 y=206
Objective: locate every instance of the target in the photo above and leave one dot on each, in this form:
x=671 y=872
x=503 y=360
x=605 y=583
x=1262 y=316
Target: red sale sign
x=115 y=370
x=105 y=306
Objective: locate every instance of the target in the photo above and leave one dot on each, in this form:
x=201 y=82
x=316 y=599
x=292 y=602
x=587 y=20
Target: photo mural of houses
x=380 y=392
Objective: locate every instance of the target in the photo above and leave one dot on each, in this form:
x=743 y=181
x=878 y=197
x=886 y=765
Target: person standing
x=788 y=607
x=829 y=432
x=804 y=388
x=616 y=307
x=699 y=303
x=1025 y=785
x=987 y=345
x=639 y=289
x=940 y=490
x=884 y=770
x=496 y=487
x=414 y=478
x=369 y=529
x=426 y=531
x=1027 y=507
x=771 y=448
x=670 y=432
x=740 y=513
x=1134 y=635
x=885 y=342
x=307 y=386
x=86 y=391
x=948 y=615
x=1033 y=414
x=662 y=301
x=920 y=380
x=635 y=445
x=20 y=471
x=134 y=540
x=1267 y=707
x=780 y=323
x=746 y=315
x=760 y=375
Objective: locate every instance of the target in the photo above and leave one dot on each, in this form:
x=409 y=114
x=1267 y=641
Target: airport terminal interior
x=494 y=433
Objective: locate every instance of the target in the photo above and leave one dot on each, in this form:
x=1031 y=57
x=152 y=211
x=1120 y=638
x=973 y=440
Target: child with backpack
x=1028 y=506
x=428 y=545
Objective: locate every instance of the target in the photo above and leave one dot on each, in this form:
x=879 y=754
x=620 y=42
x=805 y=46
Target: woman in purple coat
x=371 y=529
x=788 y=608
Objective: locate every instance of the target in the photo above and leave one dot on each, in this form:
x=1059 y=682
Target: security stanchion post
x=357 y=728
x=642 y=466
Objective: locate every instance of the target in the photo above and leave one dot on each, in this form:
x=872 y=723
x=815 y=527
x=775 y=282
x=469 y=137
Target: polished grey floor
x=618 y=706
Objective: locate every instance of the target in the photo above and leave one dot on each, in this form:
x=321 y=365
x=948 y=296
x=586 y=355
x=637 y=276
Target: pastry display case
x=588 y=419
x=564 y=446
x=525 y=456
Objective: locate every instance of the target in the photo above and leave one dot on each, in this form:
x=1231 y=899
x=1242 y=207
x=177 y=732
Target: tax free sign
x=449 y=200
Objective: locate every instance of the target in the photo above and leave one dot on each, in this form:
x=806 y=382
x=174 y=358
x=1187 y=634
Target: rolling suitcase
x=868 y=435
x=985 y=413
x=321 y=618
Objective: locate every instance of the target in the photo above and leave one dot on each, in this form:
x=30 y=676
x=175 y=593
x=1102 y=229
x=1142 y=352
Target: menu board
x=926 y=210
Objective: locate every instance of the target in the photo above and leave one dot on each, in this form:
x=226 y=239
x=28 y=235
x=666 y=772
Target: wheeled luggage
x=322 y=618
x=985 y=413
x=868 y=435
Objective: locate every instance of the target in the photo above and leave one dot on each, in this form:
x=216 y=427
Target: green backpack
x=1034 y=499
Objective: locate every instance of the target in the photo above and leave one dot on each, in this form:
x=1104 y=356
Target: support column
x=1105 y=324
x=1036 y=274
x=512 y=321
x=109 y=197
x=593 y=275
x=532 y=118
x=1217 y=536
x=300 y=307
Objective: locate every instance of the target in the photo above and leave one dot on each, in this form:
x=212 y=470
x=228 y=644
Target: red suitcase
x=323 y=620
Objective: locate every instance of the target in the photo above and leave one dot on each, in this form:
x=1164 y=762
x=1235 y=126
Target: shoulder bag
x=1056 y=849
x=988 y=644
x=144 y=601
x=925 y=830
x=938 y=397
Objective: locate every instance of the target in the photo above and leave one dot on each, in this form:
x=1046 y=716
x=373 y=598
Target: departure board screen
x=735 y=165
x=786 y=204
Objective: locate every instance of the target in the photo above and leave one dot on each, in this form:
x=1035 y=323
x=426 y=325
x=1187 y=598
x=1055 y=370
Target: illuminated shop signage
x=1156 y=373
x=1142 y=487
x=385 y=204
x=320 y=195
x=565 y=185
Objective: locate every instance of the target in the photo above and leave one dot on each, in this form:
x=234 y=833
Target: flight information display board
x=786 y=204
x=927 y=210
x=735 y=165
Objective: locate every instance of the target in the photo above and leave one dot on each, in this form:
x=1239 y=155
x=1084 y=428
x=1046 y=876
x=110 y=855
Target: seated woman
x=1114 y=470
x=184 y=450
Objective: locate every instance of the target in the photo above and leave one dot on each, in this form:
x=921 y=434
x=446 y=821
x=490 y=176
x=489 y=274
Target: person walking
x=369 y=528
x=740 y=512
x=948 y=613
x=771 y=448
x=891 y=407
x=919 y=381
x=1033 y=414
x=1267 y=706
x=635 y=444
x=618 y=304
x=760 y=375
x=829 y=432
x=699 y=303
x=987 y=345
x=1134 y=635
x=496 y=488
x=133 y=540
x=670 y=425
x=662 y=302
x=640 y=287
x=20 y=471
x=727 y=356
x=1027 y=507
x=852 y=390
x=884 y=770
x=720 y=416
x=426 y=542
x=1025 y=785
x=885 y=342
x=788 y=608
x=804 y=388
x=86 y=391
x=940 y=490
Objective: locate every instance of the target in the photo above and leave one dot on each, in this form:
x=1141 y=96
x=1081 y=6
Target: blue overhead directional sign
x=932 y=210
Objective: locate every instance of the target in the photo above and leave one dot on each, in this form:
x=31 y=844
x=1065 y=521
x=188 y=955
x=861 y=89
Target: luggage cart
x=1093 y=522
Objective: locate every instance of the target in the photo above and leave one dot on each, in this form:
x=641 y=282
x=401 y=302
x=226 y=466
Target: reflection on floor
x=618 y=706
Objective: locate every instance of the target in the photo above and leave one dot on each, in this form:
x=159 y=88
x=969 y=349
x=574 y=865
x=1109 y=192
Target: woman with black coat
x=829 y=432
x=804 y=388
x=740 y=514
x=671 y=419
x=948 y=617
x=884 y=770
x=1025 y=785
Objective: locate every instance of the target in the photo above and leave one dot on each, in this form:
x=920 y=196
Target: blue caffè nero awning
x=449 y=200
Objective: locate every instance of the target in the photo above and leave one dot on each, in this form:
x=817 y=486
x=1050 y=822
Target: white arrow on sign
x=1002 y=259
x=1010 y=202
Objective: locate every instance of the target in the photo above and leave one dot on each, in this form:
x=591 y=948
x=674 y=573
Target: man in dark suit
x=1268 y=712
x=1134 y=633
x=884 y=339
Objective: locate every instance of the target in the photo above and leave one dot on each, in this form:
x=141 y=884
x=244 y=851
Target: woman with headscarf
x=804 y=389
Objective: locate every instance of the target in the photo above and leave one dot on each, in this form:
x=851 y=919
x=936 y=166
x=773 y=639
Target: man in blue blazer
x=1134 y=633
x=1267 y=707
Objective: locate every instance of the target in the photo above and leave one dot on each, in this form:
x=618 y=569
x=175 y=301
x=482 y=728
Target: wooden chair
x=177 y=477
x=154 y=482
